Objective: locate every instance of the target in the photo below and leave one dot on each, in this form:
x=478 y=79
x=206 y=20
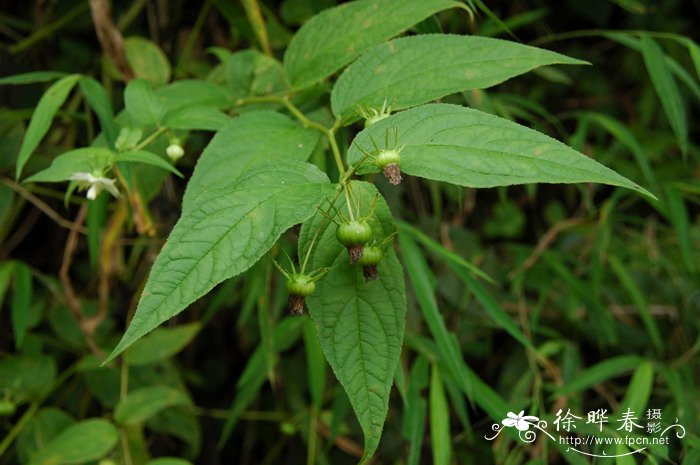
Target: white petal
x=93 y=191
x=522 y=425
x=512 y=415
x=111 y=188
x=509 y=422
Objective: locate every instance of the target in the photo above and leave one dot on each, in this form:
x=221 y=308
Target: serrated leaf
x=147 y=60
x=46 y=109
x=667 y=90
x=99 y=101
x=247 y=140
x=82 y=442
x=196 y=117
x=161 y=344
x=407 y=72
x=147 y=158
x=466 y=147
x=360 y=324
x=338 y=35
x=144 y=403
x=142 y=103
x=223 y=233
x=30 y=78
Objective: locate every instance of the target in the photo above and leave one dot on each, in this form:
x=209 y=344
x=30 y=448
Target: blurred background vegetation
x=591 y=300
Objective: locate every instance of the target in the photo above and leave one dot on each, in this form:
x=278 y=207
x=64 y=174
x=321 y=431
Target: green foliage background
x=535 y=297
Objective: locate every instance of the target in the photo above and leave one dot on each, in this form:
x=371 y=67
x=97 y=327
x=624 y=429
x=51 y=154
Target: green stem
x=313 y=436
x=151 y=138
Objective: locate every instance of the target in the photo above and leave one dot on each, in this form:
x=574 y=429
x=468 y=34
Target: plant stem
x=154 y=135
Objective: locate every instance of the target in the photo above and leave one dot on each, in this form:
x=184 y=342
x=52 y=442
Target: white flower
x=520 y=421
x=175 y=151
x=94 y=184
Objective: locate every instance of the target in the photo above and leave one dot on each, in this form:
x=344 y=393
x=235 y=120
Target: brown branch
x=106 y=266
x=72 y=299
x=110 y=38
x=41 y=205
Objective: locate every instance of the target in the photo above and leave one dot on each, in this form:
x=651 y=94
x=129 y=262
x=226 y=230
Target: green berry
x=386 y=157
x=372 y=255
x=353 y=233
x=300 y=285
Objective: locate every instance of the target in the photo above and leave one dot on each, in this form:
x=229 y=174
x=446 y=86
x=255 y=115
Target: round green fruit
x=354 y=233
x=387 y=157
x=371 y=256
x=300 y=285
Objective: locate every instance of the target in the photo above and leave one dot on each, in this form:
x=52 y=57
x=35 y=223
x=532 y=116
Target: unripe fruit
x=375 y=118
x=354 y=235
x=299 y=286
x=371 y=256
x=389 y=161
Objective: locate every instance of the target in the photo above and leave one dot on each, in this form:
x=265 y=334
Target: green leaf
x=21 y=300
x=439 y=420
x=667 y=90
x=196 y=117
x=144 y=403
x=82 y=442
x=27 y=377
x=147 y=60
x=450 y=353
x=31 y=78
x=407 y=72
x=640 y=303
x=223 y=233
x=189 y=92
x=6 y=271
x=83 y=160
x=284 y=334
x=601 y=371
x=99 y=101
x=360 y=324
x=161 y=344
x=316 y=364
x=169 y=461
x=639 y=390
x=46 y=109
x=467 y=147
x=148 y=158
x=250 y=72
x=338 y=35
x=248 y=140
x=44 y=426
x=142 y=103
